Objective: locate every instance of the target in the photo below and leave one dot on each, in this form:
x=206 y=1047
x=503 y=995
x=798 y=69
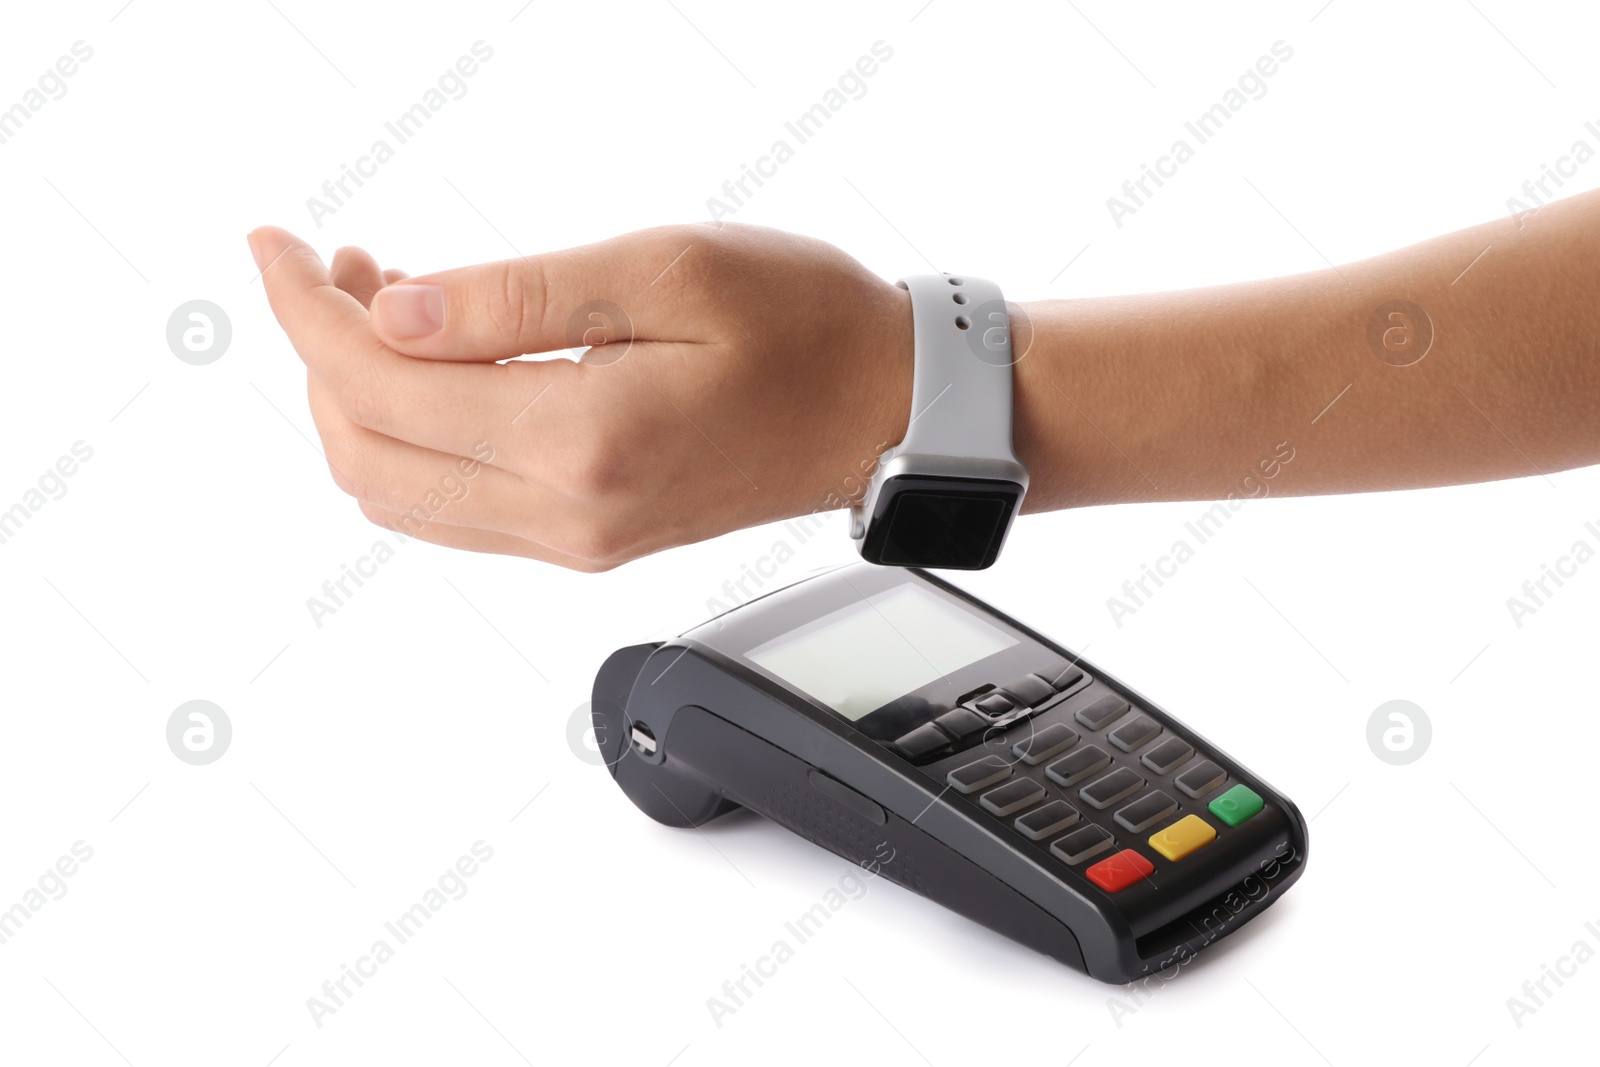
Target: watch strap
x=961 y=386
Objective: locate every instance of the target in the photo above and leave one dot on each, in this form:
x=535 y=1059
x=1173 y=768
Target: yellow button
x=1183 y=837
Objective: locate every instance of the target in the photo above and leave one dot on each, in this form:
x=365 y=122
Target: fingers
x=392 y=275
x=419 y=483
x=357 y=273
x=442 y=406
x=476 y=540
x=419 y=487
x=611 y=292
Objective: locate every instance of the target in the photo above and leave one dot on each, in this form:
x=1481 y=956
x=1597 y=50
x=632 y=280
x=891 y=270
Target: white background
x=371 y=752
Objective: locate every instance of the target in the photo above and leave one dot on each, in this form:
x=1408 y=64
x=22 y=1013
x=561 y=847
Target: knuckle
x=359 y=475
x=376 y=515
x=360 y=398
x=340 y=468
x=592 y=470
x=670 y=239
x=723 y=236
x=695 y=261
x=600 y=544
x=512 y=299
x=345 y=464
x=357 y=470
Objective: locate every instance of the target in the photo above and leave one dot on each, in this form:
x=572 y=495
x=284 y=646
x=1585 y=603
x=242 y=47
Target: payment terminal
x=882 y=712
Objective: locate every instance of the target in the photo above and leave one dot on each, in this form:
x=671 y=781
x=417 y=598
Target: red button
x=1120 y=871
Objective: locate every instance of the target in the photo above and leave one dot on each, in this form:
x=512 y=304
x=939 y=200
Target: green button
x=1236 y=805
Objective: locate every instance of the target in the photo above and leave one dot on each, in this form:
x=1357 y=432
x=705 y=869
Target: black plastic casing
x=726 y=734
x=949 y=523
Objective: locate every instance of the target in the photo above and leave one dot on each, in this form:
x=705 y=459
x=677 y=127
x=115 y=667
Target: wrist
x=877 y=409
x=1053 y=427
x=889 y=386
x=946 y=494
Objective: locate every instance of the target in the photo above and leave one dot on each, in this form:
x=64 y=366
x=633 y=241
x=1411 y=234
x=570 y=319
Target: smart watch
x=944 y=496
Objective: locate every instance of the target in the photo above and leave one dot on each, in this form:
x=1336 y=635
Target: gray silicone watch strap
x=961 y=384
x=961 y=390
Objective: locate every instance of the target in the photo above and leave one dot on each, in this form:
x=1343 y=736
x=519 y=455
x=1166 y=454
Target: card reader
x=882 y=712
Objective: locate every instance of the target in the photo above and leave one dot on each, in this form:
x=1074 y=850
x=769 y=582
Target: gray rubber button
x=1030 y=689
x=1104 y=792
x=1146 y=811
x=1102 y=712
x=1012 y=797
x=1200 y=778
x=974 y=776
x=1167 y=755
x=1043 y=744
x=1052 y=818
x=1131 y=736
x=1082 y=843
x=1072 y=769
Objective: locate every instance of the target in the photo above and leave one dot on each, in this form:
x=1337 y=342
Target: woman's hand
x=739 y=375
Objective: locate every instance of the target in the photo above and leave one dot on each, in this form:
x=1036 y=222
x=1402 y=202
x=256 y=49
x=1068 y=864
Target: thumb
x=596 y=294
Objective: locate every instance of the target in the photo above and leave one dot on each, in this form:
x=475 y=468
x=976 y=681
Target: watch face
x=950 y=523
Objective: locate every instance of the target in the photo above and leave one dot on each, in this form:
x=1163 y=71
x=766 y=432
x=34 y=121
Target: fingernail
x=409 y=311
x=255 y=249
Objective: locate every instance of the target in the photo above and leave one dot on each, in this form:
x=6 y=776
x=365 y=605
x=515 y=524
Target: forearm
x=1186 y=395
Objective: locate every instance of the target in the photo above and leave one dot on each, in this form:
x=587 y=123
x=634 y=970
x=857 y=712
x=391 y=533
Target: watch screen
x=922 y=521
x=864 y=655
x=941 y=530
